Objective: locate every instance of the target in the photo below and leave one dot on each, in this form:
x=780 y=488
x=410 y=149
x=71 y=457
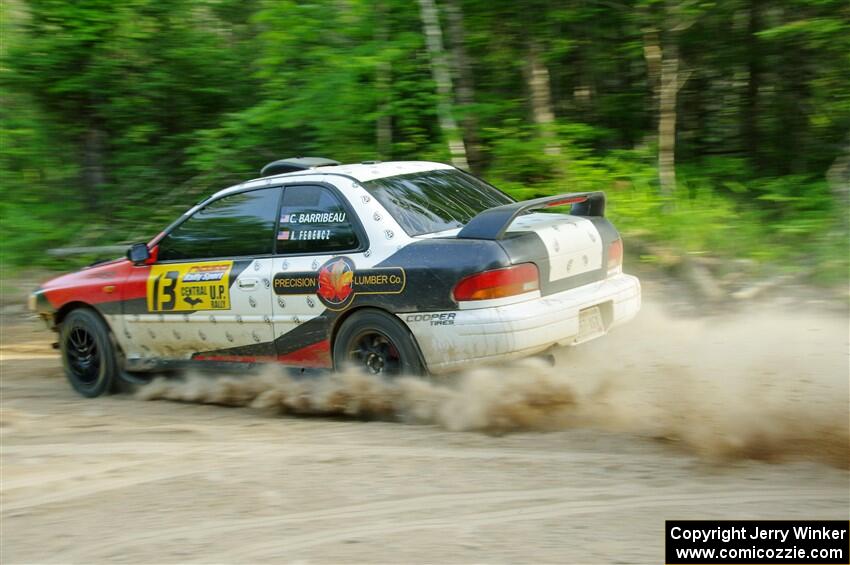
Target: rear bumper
x=454 y=340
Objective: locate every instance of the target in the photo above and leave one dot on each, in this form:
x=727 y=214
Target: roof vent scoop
x=296 y=164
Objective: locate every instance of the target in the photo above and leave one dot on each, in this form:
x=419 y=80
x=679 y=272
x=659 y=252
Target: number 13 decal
x=164 y=296
x=189 y=287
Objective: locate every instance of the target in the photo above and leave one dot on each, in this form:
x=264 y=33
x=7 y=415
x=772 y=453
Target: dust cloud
x=756 y=385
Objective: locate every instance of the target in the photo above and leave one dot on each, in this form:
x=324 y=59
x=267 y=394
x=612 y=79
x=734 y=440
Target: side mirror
x=138 y=253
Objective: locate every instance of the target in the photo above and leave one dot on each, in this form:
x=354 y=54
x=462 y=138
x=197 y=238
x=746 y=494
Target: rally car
x=395 y=267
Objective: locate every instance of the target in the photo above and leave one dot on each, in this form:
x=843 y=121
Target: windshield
x=434 y=201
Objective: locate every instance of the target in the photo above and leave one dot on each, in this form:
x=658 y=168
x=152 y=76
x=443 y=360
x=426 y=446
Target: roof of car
x=375 y=170
x=360 y=172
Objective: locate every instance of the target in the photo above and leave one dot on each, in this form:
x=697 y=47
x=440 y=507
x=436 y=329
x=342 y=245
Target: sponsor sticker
x=189 y=287
x=338 y=282
x=434 y=319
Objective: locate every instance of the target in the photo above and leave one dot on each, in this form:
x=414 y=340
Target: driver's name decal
x=313 y=218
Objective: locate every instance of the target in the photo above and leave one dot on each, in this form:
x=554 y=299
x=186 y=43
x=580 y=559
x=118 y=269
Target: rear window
x=434 y=201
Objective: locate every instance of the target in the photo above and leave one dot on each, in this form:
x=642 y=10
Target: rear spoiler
x=493 y=223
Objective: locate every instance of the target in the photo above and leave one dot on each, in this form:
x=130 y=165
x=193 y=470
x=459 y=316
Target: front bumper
x=38 y=305
x=454 y=340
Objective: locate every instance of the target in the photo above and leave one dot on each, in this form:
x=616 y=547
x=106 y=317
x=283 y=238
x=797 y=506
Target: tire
x=88 y=353
x=378 y=343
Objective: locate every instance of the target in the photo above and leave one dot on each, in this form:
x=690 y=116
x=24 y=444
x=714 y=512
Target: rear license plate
x=590 y=324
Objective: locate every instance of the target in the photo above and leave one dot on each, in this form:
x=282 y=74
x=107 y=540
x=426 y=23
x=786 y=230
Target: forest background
x=719 y=128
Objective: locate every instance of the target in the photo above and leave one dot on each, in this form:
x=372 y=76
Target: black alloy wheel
x=377 y=343
x=374 y=351
x=88 y=353
x=83 y=355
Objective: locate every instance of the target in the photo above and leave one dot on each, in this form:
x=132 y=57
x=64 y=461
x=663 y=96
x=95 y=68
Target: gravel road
x=702 y=418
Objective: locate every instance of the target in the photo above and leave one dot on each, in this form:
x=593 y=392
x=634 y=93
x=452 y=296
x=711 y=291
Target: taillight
x=498 y=283
x=615 y=257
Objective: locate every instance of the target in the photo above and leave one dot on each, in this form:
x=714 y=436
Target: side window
x=233 y=226
x=313 y=220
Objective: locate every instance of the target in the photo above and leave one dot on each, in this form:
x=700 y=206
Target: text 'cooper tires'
x=377 y=343
x=88 y=355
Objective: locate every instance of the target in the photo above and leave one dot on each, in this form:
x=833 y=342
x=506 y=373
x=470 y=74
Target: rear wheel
x=88 y=355
x=377 y=343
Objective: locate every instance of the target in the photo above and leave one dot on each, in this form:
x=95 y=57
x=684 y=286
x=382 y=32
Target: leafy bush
x=717 y=210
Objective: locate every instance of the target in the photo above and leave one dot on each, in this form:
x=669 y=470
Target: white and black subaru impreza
x=400 y=267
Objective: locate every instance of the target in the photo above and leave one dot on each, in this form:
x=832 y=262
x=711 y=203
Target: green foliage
x=116 y=116
x=717 y=211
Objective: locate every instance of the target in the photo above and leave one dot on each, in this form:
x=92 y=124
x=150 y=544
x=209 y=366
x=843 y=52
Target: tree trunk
x=661 y=51
x=465 y=84
x=668 y=91
x=384 y=123
x=838 y=178
x=796 y=69
x=440 y=71
x=383 y=80
x=750 y=120
x=652 y=56
x=93 y=173
x=541 y=99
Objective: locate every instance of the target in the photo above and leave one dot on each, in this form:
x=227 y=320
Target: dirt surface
x=580 y=463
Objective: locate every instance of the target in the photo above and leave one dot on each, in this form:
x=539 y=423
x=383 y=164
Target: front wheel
x=88 y=355
x=377 y=343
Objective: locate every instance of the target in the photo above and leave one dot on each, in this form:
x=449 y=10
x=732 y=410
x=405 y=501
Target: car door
x=317 y=232
x=208 y=294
